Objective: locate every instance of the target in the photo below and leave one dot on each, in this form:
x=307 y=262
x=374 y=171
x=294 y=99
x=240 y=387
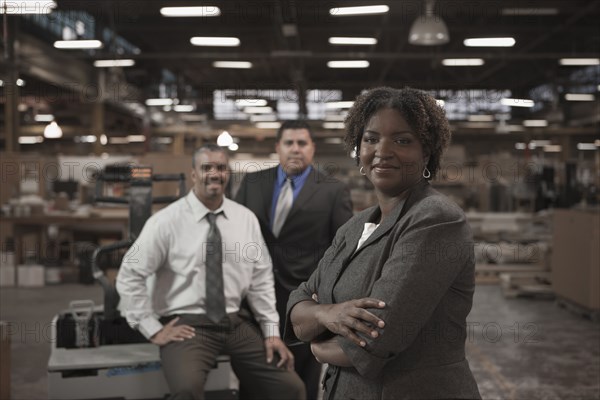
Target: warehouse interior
x=90 y=85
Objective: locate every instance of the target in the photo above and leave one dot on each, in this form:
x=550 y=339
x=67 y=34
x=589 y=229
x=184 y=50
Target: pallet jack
x=94 y=353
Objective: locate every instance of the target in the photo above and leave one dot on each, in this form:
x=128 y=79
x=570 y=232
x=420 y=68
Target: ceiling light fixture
x=78 y=44
x=258 y=110
x=215 y=41
x=224 y=139
x=352 y=40
x=233 y=147
x=44 y=118
x=251 y=102
x=27 y=6
x=52 y=131
x=579 y=61
x=184 y=108
x=159 y=102
x=20 y=82
x=535 y=123
x=586 y=146
x=30 y=139
x=335 y=117
x=463 y=62
x=338 y=104
x=211 y=11
x=517 y=102
x=579 y=97
x=553 y=148
x=263 y=118
x=333 y=125
x=232 y=64
x=490 y=42
x=348 y=64
x=268 y=125
x=361 y=10
x=126 y=62
x=428 y=29
x=136 y=138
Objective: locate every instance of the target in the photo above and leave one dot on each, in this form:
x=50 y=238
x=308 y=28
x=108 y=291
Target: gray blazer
x=420 y=262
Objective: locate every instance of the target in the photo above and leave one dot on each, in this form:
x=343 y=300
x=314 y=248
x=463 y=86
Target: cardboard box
x=576 y=257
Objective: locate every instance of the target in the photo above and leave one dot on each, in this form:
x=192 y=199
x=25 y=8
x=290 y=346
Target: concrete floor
x=518 y=349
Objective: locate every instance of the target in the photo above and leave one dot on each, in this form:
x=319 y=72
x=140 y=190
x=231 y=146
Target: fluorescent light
x=159 y=102
x=233 y=147
x=490 y=42
x=553 y=148
x=211 y=11
x=126 y=62
x=352 y=40
x=103 y=139
x=136 y=138
x=27 y=6
x=579 y=97
x=463 y=62
x=540 y=143
x=258 y=110
x=44 y=118
x=529 y=11
x=2 y=83
x=440 y=102
x=87 y=138
x=335 y=117
x=586 y=146
x=78 y=44
x=348 y=64
x=579 y=61
x=20 y=82
x=30 y=139
x=333 y=125
x=184 y=108
x=362 y=10
x=517 y=102
x=338 y=104
x=268 y=125
x=535 y=123
x=215 y=41
x=163 y=140
x=224 y=139
x=481 y=118
x=52 y=131
x=263 y=118
x=232 y=64
x=520 y=146
x=250 y=102
x=118 y=140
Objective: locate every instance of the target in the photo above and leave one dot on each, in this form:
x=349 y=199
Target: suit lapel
x=267 y=185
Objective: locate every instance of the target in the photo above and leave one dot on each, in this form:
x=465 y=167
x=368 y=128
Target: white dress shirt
x=172 y=246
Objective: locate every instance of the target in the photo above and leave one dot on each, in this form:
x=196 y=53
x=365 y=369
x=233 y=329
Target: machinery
x=94 y=353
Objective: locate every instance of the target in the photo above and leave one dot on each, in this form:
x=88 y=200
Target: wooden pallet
x=578 y=309
x=489 y=274
x=527 y=284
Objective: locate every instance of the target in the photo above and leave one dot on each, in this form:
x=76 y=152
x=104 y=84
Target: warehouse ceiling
x=287 y=44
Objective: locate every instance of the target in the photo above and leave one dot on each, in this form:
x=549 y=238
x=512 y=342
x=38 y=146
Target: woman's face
x=391 y=153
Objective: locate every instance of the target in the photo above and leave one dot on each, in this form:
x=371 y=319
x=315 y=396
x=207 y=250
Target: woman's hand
x=348 y=318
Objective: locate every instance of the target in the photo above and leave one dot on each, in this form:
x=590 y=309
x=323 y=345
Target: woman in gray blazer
x=387 y=306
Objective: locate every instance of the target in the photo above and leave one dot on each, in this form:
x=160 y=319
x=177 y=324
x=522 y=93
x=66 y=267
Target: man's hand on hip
x=172 y=333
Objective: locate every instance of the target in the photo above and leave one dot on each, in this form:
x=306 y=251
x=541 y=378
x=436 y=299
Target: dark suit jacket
x=420 y=262
x=322 y=206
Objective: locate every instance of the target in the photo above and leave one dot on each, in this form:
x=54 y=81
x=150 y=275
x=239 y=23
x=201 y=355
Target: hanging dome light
x=429 y=29
x=52 y=131
x=224 y=139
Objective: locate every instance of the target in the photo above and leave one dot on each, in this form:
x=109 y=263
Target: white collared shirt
x=171 y=246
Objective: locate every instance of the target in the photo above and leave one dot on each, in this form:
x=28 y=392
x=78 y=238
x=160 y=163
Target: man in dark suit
x=299 y=210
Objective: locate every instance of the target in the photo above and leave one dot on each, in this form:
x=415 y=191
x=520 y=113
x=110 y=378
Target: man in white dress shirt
x=176 y=244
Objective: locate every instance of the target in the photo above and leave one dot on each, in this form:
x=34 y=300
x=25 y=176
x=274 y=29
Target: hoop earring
x=426 y=173
x=362 y=171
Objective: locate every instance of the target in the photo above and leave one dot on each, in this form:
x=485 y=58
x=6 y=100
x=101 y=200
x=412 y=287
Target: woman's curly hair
x=421 y=111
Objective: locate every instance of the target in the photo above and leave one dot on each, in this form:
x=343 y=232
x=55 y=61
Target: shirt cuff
x=149 y=326
x=269 y=330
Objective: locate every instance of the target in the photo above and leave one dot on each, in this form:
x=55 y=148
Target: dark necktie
x=215 y=295
x=283 y=207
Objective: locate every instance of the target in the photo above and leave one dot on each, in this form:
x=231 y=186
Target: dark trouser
x=186 y=364
x=306 y=364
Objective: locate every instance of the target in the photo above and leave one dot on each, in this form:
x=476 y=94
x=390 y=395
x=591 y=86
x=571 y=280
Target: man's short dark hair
x=295 y=124
x=208 y=147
